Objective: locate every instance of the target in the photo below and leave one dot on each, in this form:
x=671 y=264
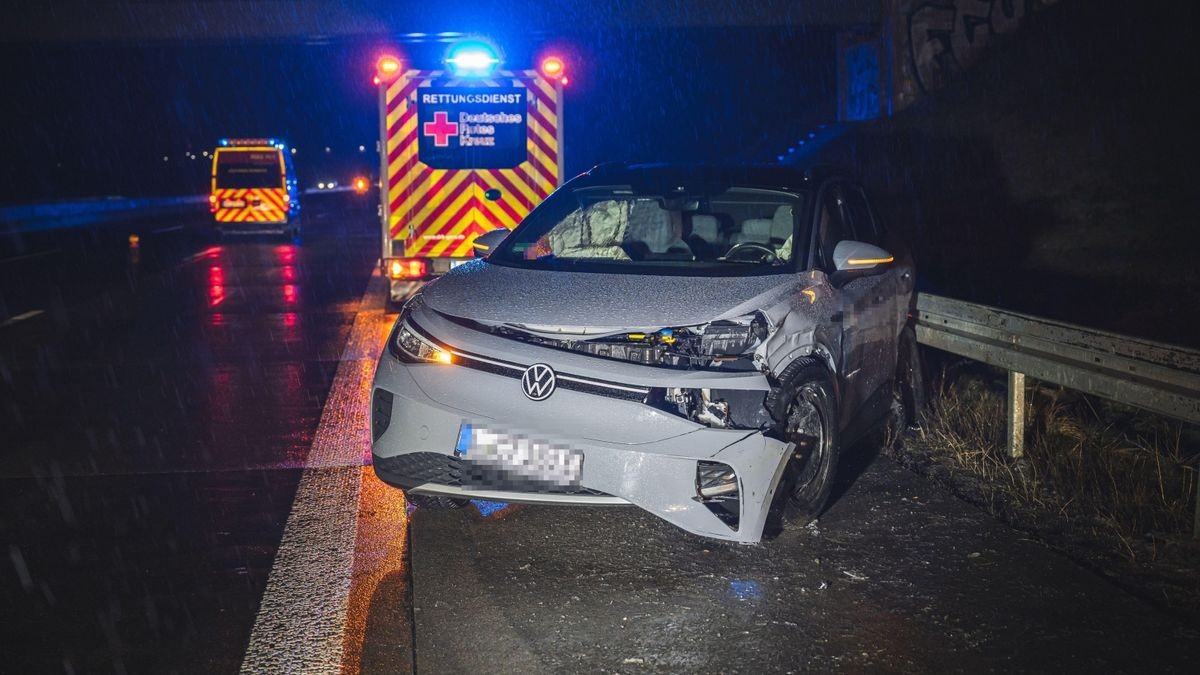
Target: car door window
x=862 y=222
x=831 y=224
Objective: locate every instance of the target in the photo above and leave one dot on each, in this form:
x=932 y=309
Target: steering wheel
x=766 y=253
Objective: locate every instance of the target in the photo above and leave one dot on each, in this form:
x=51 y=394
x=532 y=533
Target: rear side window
x=242 y=169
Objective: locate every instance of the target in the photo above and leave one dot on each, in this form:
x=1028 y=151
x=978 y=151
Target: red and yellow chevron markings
x=438 y=212
x=258 y=205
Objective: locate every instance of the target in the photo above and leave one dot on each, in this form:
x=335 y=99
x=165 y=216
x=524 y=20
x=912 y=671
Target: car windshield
x=734 y=232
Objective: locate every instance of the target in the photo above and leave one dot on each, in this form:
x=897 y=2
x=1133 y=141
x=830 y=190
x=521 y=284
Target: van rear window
x=244 y=169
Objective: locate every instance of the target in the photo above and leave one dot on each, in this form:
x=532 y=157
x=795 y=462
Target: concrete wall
x=1046 y=166
x=918 y=47
x=931 y=42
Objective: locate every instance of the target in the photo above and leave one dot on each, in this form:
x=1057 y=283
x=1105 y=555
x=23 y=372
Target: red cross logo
x=441 y=128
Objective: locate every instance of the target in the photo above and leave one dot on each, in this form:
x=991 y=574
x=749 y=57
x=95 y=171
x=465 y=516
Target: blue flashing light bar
x=251 y=142
x=472 y=59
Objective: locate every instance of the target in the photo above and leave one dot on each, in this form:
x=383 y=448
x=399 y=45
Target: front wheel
x=805 y=409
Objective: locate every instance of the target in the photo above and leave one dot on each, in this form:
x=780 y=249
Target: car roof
x=706 y=177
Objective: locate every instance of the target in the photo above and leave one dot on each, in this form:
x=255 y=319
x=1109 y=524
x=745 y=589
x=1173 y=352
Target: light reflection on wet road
x=156 y=416
x=159 y=412
x=897 y=576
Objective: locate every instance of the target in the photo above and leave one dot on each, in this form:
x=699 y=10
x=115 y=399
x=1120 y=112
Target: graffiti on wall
x=860 y=95
x=937 y=39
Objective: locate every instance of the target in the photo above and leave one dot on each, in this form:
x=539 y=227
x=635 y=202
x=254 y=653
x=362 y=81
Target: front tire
x=805 y=409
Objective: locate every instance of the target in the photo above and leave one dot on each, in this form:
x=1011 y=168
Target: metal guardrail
x=55 y=215
x=1158 y=377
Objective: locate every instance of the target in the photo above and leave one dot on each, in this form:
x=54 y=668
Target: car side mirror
x=488 y=241
x=853 y=259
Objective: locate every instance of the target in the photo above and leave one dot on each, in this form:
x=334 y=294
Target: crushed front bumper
x=632 y=453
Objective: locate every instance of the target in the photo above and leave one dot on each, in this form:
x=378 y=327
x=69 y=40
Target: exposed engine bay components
x=719 y=408
x=726 y=345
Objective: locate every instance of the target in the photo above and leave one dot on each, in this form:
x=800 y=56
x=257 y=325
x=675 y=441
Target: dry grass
x=1122 y=474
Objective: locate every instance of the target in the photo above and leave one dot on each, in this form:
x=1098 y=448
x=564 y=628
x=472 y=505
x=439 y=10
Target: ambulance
x=254 y=187
x=464 y=150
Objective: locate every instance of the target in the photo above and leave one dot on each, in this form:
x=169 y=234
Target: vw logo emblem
x=538 y=382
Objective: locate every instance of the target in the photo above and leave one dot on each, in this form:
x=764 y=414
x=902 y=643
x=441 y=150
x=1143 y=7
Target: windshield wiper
x=748 y=262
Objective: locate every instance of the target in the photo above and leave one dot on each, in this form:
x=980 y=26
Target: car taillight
x=407 y=269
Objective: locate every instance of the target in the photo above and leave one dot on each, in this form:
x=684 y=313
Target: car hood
x=592 y=304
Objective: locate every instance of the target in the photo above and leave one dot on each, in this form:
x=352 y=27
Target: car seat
x=756 y=230
x=705 y=238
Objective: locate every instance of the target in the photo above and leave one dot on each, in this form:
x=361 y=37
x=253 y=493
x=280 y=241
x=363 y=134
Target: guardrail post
x=1196 y=520
x=1016 y=414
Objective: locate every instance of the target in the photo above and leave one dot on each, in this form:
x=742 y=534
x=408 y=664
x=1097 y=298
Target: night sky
x=96 y=119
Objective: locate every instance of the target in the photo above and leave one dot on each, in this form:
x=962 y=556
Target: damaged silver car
x=698 y=342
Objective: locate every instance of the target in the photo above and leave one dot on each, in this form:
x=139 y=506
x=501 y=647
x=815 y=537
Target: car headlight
x=733 y=337
x=408 y=345
x=414 y=348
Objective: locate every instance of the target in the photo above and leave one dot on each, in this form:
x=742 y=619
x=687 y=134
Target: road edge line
x=301 y=618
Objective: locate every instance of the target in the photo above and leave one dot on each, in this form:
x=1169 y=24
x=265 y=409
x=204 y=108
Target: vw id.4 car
x=697 y=342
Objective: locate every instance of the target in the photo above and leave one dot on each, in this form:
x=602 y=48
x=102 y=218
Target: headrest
x=782 y=223
x=756 y=229
x=705 y=227
x=650 y=223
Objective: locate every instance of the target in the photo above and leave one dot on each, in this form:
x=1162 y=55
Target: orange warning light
x=387 y=67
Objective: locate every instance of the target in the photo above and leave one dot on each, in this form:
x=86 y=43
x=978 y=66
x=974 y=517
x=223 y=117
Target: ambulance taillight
x=408 y=268
x=212 y=203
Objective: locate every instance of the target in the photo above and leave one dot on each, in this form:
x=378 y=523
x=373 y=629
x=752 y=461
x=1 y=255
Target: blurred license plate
x=456 y=263
x=233 y=203
x=519 y=456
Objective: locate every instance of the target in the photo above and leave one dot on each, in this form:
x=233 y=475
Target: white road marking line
x=27 y=256
x=302 y=618
x=194 y=257
x=164 y=230
x=21 y=317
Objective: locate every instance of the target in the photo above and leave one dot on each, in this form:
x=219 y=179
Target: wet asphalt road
x=159 y=408
x=896 y=576
x=156 y=411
